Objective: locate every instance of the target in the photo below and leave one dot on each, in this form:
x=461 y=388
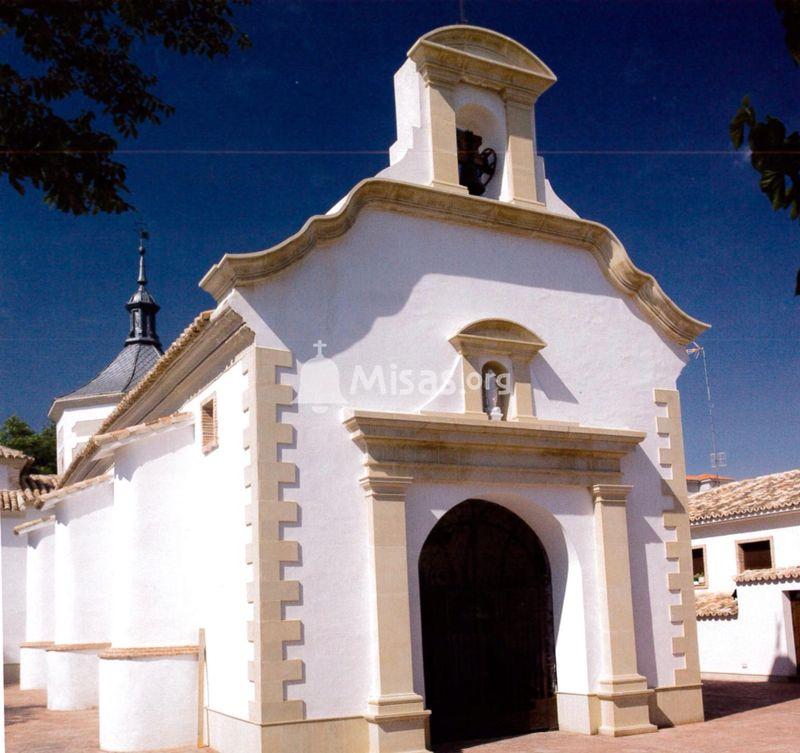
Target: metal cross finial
x=319 y=345
x=143 y=236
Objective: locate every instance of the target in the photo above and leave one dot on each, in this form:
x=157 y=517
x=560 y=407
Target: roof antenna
x=461 y=15
x=718 y=459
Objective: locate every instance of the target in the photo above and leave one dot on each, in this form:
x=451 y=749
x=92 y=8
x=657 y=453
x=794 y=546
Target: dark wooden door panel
x=487 y=625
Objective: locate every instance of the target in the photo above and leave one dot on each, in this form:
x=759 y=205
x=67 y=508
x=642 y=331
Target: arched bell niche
x=478 y=119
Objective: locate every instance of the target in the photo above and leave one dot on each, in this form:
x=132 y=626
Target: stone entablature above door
x=460 y=448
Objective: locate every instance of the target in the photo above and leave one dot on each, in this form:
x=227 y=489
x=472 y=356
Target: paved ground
x=31 y=728
x=743 y=718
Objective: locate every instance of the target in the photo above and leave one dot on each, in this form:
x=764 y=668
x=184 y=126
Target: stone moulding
x=482 y=58
x=268 y=551
x=78 y=646
x=458 y=448
x=34 y=525
x=240 y=270
x=147 y=652
x=681 y=580
x=497 y=336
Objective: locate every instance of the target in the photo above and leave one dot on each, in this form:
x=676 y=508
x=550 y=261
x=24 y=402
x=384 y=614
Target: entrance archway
x=487 y=625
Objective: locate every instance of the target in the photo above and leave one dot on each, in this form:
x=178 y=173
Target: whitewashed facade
x=253 y=513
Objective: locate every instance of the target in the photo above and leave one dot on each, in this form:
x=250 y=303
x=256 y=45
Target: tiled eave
x=773 y=575
x=109 y=443
x=716 y=606
x=49 y=500
x=743 y=515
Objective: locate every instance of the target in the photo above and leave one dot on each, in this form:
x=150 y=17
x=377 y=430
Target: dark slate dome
x=142 y=347
x=123 y=373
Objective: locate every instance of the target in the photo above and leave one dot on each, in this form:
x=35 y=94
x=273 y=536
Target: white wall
x=390 y=293
x=14 y=552
x=150 y=704
x=155 y=546
x=40 y=613
x=720 y=540
x=84 y=576
x=218 y=506
x=759 y=642
x=179 y=544
x=74 y=428
x=9 y=475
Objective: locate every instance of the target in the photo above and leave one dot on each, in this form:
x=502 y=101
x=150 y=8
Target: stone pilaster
x=520 y=158
x=622 y=691
x=439 y=85
x=395 y=712
x=268 y=550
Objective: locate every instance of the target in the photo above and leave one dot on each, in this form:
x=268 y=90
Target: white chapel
x=417 y=477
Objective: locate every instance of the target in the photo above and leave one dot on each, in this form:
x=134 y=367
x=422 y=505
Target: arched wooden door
x=487 y=625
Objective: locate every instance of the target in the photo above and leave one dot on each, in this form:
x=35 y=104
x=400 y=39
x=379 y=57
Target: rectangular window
x=208 y=421
x=755 y=555
x=699 y=566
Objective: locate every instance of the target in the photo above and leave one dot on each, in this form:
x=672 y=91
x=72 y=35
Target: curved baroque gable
x=240 y=270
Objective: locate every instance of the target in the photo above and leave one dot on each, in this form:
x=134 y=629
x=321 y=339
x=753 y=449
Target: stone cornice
x=610 y=494
x=240 y=270
x=148 y=652
x=483 y=58
x=458 y=448
x=438 y=61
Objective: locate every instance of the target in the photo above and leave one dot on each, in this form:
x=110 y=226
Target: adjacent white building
x=746 y=561
x=418 y=475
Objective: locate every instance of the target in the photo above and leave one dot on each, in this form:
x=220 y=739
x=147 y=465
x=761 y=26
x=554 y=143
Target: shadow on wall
x=783 y=666
x=388 y=274
x=727 y=698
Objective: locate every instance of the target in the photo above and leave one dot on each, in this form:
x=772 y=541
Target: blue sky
x=634 y=134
